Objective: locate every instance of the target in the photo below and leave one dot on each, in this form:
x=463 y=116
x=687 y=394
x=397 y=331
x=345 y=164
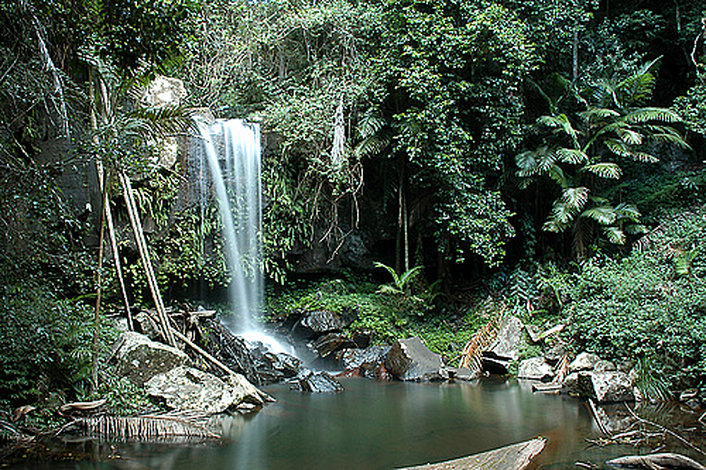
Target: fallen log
x=512 y=457
x=665 y=461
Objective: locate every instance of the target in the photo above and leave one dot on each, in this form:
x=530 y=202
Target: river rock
x=139 y=358
x=506 y=347
x=584 y=361
x=555 y=353
x=604 y=366
x=409 y=359
x=314 y=324
x=331 y=342
x=277 y=367
x=372 y=356
x=187 y=389
x=466 y=374
x=316 y=382
x=507 y=343
x=362 y=338
x=611 y=387
x=535 y=369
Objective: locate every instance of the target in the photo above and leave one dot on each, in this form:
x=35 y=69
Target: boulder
x=611 y=387
x=139 y=358
x=187 y=389
x=368 y=358
x=535 y=369
x=506 y=347
x=605 y=387
x=331 y=342
x=584 y=361
x=555 y=353
x=464 y=373
x=507 y=343
x=316 y=382
x=362 y=338
x=277 y=367
x=604 y=366
x=409 y=359
x=313 y=324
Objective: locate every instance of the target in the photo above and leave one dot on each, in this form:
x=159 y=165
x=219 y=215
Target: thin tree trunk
x=145 y=257
x=400 y=221
x=576 y=53
x=99 y=291
x=103 y=184
x=405 y=232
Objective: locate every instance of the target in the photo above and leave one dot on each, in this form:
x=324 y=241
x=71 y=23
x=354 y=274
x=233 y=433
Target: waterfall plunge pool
x=375 y=425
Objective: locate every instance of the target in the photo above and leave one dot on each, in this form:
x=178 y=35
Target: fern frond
x=390 y=270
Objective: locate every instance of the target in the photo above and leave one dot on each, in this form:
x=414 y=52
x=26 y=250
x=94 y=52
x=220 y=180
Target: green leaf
x=604 y=215
x=614 y=235
x=605 y=170
x=572 y=156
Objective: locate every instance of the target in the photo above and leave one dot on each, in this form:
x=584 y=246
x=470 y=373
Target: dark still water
x=379 y=426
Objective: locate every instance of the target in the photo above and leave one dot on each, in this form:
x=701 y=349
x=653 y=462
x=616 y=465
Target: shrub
x=650 y=305
x=45 y=343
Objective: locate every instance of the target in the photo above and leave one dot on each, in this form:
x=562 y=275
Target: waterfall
x=231 y=159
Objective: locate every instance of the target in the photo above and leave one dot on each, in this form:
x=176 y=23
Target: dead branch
x=664 y=429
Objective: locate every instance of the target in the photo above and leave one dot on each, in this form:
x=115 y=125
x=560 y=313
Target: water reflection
x=386 y=425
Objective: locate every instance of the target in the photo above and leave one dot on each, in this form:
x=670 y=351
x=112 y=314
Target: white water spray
x=232 y=155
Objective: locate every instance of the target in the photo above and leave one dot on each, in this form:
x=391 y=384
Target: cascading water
x=230 y=156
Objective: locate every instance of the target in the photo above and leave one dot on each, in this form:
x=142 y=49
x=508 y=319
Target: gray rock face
x=139 y=358
x=535 y=369
x=313 y=324
x=584 y=361
x=604 y=366
x=506 y=347
x=331 y=342
x=188 y=389
x=410 y=359
x=370 y=357
x=605 y=387
x=316 y=382
x=611 y=387
x=507 y=344
x=464 y=373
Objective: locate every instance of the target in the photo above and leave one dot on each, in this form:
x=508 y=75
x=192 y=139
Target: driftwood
x=512 y=457
x=147 y=427
x=665 y=461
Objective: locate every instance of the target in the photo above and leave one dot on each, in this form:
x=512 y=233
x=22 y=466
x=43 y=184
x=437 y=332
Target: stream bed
x=378 y=425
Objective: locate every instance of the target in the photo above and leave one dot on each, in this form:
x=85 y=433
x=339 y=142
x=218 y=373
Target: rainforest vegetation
x=425 y=163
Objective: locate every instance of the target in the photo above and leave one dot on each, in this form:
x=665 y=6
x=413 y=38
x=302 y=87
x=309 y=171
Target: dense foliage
x=455 y=141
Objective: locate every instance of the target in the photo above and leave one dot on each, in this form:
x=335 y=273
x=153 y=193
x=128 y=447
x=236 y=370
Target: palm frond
x=614 y=235
x=592 y=115
x=605 y=170
x=572 y=156
x=604 y=215
x=627 y=212
x=637 y=88
x=641 y=115
x=575 y=198
x=561 y=122
x=149 y=427
x=484 y=337
x=629 y=136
